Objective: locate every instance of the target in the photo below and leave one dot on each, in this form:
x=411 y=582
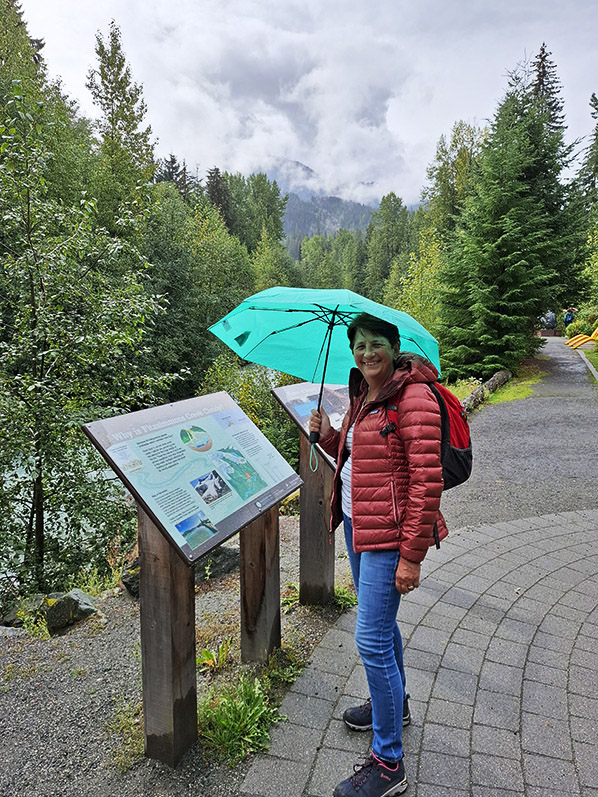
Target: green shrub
x=250 y=387
x=237 y=721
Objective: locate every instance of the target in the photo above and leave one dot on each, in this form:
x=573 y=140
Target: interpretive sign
x=199 y=468
x=316 y=553
x=299 y=400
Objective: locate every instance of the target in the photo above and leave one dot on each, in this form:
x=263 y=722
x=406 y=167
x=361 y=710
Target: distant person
x=550 y=320
x=569 y=316
x=387 y=489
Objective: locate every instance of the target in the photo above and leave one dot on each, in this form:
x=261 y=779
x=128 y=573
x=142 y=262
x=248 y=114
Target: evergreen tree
x=588 y=175
x=219 y=195
x=272 y=264
x=561 y=200
x=387 y=238
x=127 y=159
x=498 y=277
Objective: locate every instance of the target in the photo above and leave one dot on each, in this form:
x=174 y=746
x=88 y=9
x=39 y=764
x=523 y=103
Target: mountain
x=321 y=215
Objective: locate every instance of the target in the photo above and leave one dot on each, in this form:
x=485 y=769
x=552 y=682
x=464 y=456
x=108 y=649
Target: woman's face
x=374 y=356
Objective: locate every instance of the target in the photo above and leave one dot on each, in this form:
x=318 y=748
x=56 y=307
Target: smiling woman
x=386 y=490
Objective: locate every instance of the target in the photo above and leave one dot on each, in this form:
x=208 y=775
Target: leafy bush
x=237 y=721
x=250 y=387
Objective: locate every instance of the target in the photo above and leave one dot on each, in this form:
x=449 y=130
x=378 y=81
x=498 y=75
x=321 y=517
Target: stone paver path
x=501 y=638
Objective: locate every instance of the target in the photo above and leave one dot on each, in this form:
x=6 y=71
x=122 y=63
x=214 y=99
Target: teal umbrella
x=303 y=331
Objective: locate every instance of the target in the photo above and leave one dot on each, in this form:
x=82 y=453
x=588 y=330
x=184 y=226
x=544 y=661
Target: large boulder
x=66 y=609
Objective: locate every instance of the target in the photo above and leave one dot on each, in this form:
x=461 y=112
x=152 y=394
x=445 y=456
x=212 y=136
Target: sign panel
x=200 y=468
x=299 y=400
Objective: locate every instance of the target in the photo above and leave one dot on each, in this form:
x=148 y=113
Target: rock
x=67 y=609
x=130 y=576
x=6 y=631
x=217 y=563
x=32 y=605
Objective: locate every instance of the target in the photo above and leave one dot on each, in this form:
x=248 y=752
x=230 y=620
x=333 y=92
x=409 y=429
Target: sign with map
x=299 y=400
x=199 y=468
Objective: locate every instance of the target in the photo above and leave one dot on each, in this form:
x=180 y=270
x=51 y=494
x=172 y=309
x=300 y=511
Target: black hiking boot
x=374 y=778
x=359 y=718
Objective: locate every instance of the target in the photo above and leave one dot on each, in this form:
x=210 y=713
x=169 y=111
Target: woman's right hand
x=319 y=422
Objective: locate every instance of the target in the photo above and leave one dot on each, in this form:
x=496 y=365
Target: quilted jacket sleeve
x=419 y=429
x=330 y=443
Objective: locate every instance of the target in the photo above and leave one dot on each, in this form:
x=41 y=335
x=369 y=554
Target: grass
x=520 y=387
x=127 y=724
x=94 y=583
x=592 y=355
x=236 y=721
x=464 y=387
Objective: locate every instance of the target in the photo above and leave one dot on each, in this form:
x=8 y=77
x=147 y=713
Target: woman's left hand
x=407 y=576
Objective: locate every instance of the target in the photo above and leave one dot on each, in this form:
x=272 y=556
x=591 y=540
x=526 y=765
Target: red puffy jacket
x=396 y=481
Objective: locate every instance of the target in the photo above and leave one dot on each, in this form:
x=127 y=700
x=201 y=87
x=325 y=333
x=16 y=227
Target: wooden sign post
x=167 y=608
x=316 y=547
x=260 y=588
x=200 y=472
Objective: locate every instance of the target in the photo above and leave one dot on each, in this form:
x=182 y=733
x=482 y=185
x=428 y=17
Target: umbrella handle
x=314 y=437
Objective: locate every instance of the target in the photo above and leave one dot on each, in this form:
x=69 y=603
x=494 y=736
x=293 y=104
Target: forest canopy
x=114 y=263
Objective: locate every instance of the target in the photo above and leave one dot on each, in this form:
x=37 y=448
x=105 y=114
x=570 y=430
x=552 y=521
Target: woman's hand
x=319 y=422
x=407 y=576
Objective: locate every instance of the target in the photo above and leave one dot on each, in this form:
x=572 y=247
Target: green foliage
x=284 y=666
x=503 y=269
x=520 y=387
x=415 y=287
x=212 y=660
x=289 y=598
x=126 y=161
x=127 y=725
x=272 y=264
x=94 y=580
x=344 y=597
x=250 y=386
x=463 y=388
x=72 y=318
x=388 y=240
x=34 y=623
x=236 y=722
x=451 y=176
x=202 y=272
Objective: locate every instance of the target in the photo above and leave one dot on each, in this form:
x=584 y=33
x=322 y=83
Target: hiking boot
x=374 y=778
x=359 y=718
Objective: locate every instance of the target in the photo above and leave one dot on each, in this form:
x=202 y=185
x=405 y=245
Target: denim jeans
x=379 y=642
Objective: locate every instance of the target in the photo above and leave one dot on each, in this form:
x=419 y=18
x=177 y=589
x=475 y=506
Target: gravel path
x=532 y=457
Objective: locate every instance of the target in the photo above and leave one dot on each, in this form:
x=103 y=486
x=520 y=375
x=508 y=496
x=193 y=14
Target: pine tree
x=387 y=238
x=561 y=200
x=588 y=174
x=498 y=276
x=126 y=146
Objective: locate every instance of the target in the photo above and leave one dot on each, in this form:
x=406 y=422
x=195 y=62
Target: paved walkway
x=501 y=654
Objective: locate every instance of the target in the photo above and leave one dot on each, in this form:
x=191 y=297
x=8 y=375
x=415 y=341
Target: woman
x=387 y=489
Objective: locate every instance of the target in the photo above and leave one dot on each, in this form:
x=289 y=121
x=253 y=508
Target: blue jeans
x=379 y=642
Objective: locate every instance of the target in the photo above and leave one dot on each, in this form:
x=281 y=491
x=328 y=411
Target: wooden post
x=167 y=604
x=260 y=587
x=316 y=547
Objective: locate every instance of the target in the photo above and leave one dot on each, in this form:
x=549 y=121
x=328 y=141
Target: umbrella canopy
x=303 y=331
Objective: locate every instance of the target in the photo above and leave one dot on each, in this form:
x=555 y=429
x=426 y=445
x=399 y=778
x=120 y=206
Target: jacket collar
x=411 y=368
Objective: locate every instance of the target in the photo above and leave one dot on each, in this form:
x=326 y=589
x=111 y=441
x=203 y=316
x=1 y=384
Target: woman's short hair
x=375 y=325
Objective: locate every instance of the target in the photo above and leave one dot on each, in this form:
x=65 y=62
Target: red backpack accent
x=455 y=449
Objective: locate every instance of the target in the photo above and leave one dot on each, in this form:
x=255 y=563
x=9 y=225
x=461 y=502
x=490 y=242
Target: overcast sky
x=359 y=91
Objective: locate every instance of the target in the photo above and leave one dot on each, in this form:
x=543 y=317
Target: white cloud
x=360 y=92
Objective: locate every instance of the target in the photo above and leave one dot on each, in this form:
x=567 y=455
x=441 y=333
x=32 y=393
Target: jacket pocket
x=395 y=505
